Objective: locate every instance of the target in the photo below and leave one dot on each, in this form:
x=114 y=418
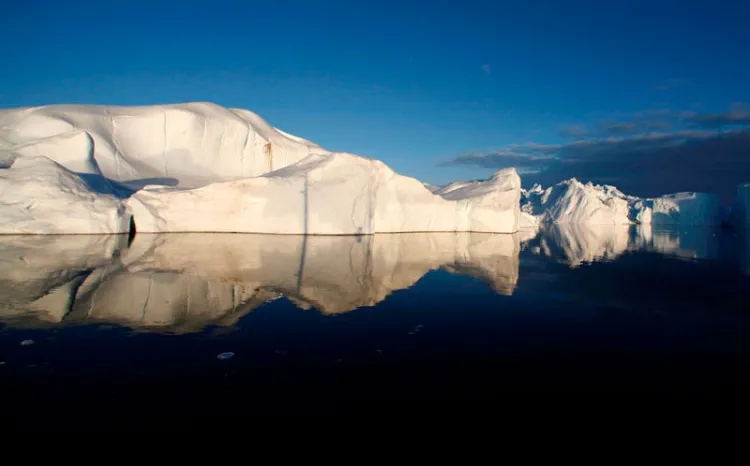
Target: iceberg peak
x=572 y=202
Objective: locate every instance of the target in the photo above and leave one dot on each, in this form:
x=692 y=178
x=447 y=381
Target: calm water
x=97 y=331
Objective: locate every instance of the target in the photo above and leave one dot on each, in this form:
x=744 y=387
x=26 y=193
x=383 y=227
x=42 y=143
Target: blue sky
x=611 y=92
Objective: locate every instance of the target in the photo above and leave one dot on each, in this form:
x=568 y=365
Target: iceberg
x=572 y=202
x=684 y=209
x=200 y=167
x=331 y=194
x=40 y=196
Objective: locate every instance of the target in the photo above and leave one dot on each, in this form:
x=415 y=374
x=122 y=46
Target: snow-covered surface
x=572 y=202
x=39 y=196
x=330 y=194
x=183 y=282
x=188 y=144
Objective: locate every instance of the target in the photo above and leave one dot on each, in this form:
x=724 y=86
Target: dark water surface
x=98 y=332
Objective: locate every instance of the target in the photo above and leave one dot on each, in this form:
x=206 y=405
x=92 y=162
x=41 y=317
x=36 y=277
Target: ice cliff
x=330 y=195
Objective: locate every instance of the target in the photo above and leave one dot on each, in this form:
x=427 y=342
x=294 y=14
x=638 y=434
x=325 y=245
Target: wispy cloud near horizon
x=680 y=151
x=738 y=115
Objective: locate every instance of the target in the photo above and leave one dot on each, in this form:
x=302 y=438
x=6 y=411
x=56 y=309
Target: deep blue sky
x=420 y=83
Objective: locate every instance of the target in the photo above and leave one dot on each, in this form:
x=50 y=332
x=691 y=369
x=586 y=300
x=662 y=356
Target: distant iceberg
x=572 y=202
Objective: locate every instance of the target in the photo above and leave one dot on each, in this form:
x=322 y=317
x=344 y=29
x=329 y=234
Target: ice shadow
x=123 y=190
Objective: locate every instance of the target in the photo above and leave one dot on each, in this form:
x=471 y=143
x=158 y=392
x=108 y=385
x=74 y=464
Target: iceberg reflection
x=40 y=274
x=184 y=282
x=576 y=244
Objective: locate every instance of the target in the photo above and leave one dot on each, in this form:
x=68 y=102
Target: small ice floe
x=417 y=329
x=225 y=356
x=27 y=342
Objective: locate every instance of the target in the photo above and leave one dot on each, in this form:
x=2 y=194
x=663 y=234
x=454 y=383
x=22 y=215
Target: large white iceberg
x=188 y=144
x=202 y=167
x=330 y=195
x=39 y=196
x=572 y=202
